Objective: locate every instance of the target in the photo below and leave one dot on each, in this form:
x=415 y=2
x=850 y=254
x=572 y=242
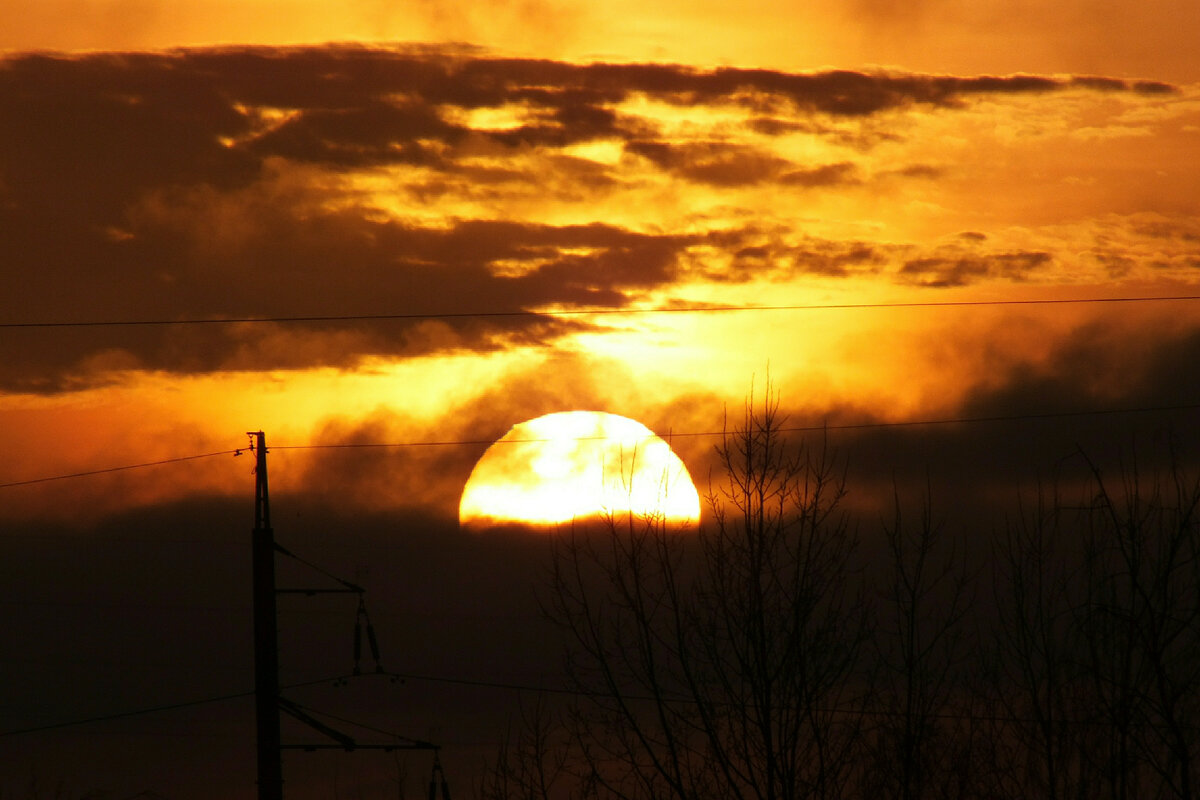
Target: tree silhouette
x=720 y=665
x=920 y=736
x=760 y=658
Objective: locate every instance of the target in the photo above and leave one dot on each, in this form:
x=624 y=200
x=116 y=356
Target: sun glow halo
x=573 y=465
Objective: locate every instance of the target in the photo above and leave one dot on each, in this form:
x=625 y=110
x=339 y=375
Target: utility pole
x=269 y=702
x=266 y=635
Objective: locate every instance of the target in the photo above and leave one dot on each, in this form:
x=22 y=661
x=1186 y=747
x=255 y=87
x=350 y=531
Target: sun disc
x=573 y=465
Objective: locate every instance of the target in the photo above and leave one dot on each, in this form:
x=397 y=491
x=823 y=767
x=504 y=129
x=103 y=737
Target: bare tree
x=535 y=760
x=737 y=661
x=724 y=664
x=1037 y=679
x=920 y=738
x=1099 y=639
x=1142 y=618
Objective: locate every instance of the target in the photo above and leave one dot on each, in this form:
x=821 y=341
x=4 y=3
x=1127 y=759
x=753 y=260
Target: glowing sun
x=574 y=465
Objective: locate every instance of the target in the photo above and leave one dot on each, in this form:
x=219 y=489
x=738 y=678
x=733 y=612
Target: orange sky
x=387 y=251
x=433 y=179
x=1124 y=38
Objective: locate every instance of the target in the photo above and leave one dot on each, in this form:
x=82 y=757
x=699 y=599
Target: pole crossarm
x=349 y=587
x=387 y=748
x=287 y=706
x=311 y=592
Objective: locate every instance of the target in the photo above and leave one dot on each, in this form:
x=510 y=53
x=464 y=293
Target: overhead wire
x=584 y=312
x=485 y=684
x=151 y=710
x=692 y=700
x=833 y=426
x=581 y=312
x=121 y=468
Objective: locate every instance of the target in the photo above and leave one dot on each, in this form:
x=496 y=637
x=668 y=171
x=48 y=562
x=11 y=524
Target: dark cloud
x=1184 y=231
x=826 y=175
x=1101 y=83
x=1111 y=392
x=212 y=183
x=840 y=259
x=329 y=264
x=921 y=171
x=942 y=272
x=714 y=163
x=1153 y=87
x=774 y=255
x=987 y=84
x=1100 y=364
x=570 y=117
x=375 y=133
x=1116 y=264
x=774 y=126
x=132 y=120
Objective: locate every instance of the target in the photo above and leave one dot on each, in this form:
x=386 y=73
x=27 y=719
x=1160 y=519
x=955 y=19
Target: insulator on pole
x=364 y=619
x=438 y=778
x=357 y=647
x=374 y=645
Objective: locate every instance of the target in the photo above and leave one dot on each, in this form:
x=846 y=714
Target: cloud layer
x=315 y=182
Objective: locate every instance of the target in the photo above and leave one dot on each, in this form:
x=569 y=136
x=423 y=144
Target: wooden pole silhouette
x=269 y=702
x=266 y=636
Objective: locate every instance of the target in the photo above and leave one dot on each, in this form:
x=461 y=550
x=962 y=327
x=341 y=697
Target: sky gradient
x=386 y=236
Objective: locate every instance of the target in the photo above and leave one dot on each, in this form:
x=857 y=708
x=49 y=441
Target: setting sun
x=577 y=464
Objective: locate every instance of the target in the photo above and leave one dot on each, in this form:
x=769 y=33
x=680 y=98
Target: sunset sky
x=385 y=233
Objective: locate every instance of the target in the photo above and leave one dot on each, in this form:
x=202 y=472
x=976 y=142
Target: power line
x=676 y=699
x=485 y=684
x=592 y=694
x=119 y=469
x=155 y=709
x=588 y=312
x=846 y=426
